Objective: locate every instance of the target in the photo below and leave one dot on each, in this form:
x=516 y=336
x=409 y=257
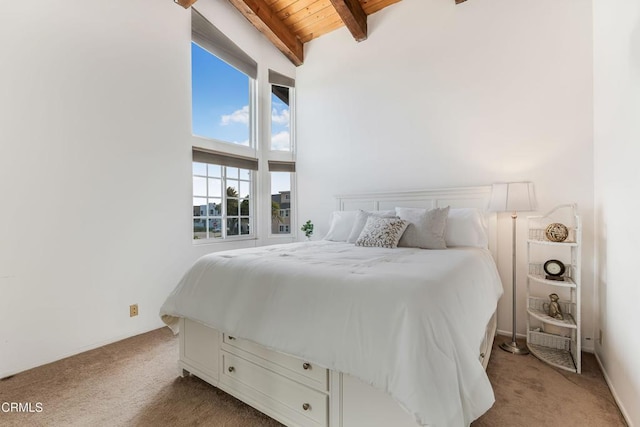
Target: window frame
x=224 y=198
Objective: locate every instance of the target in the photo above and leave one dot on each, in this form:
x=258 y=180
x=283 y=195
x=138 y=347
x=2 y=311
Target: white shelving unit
x=551 y=340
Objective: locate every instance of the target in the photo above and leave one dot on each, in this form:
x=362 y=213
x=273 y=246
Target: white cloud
x=238 y=116
x=280 y=141
x=281 y=118
x=245 y=142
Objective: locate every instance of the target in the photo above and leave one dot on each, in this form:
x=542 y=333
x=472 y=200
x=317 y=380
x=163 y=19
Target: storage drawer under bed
x=298 y=403
x=292 y=367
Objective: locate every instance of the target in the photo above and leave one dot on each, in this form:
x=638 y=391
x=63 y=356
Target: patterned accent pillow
x=361 y=220
x=382 y=232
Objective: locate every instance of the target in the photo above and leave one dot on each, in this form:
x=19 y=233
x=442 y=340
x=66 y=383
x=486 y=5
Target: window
x=225 y=148
x=222 y=195
x=222 y=77
x=281 y=203
x=223 y=94
x=281 y=97
x=221 y=99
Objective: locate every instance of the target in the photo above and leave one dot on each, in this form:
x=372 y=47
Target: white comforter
x=408 y=321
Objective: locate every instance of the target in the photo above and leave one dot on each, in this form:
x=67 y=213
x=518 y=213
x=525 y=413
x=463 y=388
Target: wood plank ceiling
x=289 y=24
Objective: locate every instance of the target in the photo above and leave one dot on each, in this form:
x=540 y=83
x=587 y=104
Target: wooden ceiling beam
x=353 y=16
x=267 y=22
x=185 y=3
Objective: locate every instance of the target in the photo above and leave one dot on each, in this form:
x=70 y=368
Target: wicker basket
x=550 y=341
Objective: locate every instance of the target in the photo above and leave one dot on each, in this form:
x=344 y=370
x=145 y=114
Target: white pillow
x=341 y=225
x=466 y=227
x=426 y=227
x=361 y=220
x=382 y=232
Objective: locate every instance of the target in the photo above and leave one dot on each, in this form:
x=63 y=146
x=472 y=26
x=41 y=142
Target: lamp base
x=514 y=348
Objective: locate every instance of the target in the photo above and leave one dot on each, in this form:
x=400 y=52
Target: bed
x=326 y=333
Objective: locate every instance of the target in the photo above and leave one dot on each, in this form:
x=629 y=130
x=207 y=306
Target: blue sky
x=279 y=125
x=220 y=102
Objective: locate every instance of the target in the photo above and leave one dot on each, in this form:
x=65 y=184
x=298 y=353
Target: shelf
x=556 y=342
x=557 y=357
x=550 y=243
x=567 y=283
x=568 y=322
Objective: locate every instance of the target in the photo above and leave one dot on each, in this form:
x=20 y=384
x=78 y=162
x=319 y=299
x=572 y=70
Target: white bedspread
x=408 y=321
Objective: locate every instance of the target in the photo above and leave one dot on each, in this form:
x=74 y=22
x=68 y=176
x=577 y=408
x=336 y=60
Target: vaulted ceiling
x=289 y=24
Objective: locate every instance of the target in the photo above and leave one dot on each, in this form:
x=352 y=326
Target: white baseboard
x=508 y=334
x=625 y=414
x=82 y=349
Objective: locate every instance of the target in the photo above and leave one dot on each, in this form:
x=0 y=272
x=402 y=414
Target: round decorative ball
x=556 y=232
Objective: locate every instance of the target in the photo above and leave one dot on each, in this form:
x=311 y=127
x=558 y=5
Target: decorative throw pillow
x=426 y=228
x=361 y=220
x=382 y=232
x=341 y=225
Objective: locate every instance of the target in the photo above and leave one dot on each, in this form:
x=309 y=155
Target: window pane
x=245 y=174
x=232 y=207
x=199 y=186
x=232 y=188
x=199 y=229
x=215 y=187
x=232 y=227
x=215 y=171
x=280 y=202
x=244 y=207
x=280 y=118
x=245 y=189
x=199 y=168
x=215 y=228
x=215 y=207
x=232 y=173
x=199 y=206
x=244 y=226
x=220 y=99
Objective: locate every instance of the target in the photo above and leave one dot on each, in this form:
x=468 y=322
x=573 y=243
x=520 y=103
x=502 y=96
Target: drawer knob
x=232 y=369
x=306 y=406
x=232 y=338
x=306 y=366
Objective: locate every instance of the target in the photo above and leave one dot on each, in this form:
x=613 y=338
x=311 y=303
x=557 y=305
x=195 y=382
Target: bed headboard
x=457 y=197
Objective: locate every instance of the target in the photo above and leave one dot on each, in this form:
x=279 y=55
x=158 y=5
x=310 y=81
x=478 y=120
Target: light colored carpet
x=531 y=393
x=134 y=383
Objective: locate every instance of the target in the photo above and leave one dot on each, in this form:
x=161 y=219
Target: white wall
x=617 y=186
x=445 y=95
x=95 y=167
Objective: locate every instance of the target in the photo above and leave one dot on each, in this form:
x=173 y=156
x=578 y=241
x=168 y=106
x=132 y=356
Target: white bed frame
x=295 y=392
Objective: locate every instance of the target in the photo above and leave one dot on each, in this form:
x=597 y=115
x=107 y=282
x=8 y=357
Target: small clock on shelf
x=554 y=269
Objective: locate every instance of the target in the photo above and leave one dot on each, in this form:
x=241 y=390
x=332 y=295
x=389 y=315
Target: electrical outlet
x=133 y=310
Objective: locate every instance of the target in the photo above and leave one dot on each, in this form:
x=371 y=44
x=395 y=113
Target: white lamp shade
x=512 y=197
